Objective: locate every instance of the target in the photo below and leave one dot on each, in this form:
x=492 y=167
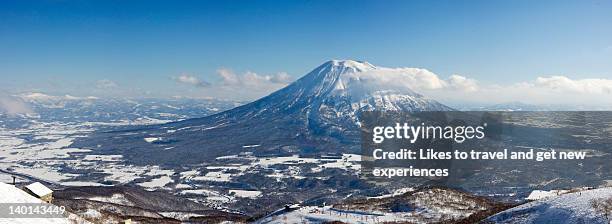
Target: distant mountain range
x=520 y=106
x=71 y=109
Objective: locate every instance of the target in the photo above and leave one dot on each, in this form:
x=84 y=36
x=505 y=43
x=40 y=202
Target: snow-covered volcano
x=332 y=95
x=318 y=112
x=345 y=87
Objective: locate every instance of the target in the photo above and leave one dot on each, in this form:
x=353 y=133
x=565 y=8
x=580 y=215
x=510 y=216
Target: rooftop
x=39 y=189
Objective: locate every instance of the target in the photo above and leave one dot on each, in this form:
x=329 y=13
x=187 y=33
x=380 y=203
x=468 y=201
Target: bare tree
x=603 y=207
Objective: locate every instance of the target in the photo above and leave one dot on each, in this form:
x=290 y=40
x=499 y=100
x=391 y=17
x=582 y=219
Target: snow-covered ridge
x=540 y=194
x=431 y=205
x=36 y=96
x=357 y=65
x=565 y=208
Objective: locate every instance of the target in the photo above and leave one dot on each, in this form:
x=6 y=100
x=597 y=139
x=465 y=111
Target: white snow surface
x=245 y=193
x=567 y=208
x=157 y=182
x=117 y=198
x=540 y=194
x=370 y=87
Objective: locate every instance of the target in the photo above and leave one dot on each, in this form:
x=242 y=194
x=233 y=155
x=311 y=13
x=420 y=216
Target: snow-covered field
x=245 y=193
x=348 y=162
x=42 y=150
x=115 y=199
x=194 y=182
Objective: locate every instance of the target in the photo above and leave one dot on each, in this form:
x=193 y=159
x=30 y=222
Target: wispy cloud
x=248 y=85
x=417 y=79
x=106 y=84
x=462 y=83
x=557 y=89
x=229 y=78
x=565 y=84
x=190 y=80
x=541 y=90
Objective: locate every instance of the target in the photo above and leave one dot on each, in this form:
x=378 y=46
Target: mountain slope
x=115 y=204
x=425 y=205
x=566 y=208
x=317 y=113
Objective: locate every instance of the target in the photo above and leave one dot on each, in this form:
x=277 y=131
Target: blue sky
x=143 y=46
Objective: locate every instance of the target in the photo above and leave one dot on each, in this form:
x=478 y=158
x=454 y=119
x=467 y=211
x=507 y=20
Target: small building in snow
x=39 y=191
x=292 y=207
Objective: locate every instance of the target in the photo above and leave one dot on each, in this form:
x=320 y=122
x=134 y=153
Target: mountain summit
x=318 y=112
x=343 y=87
